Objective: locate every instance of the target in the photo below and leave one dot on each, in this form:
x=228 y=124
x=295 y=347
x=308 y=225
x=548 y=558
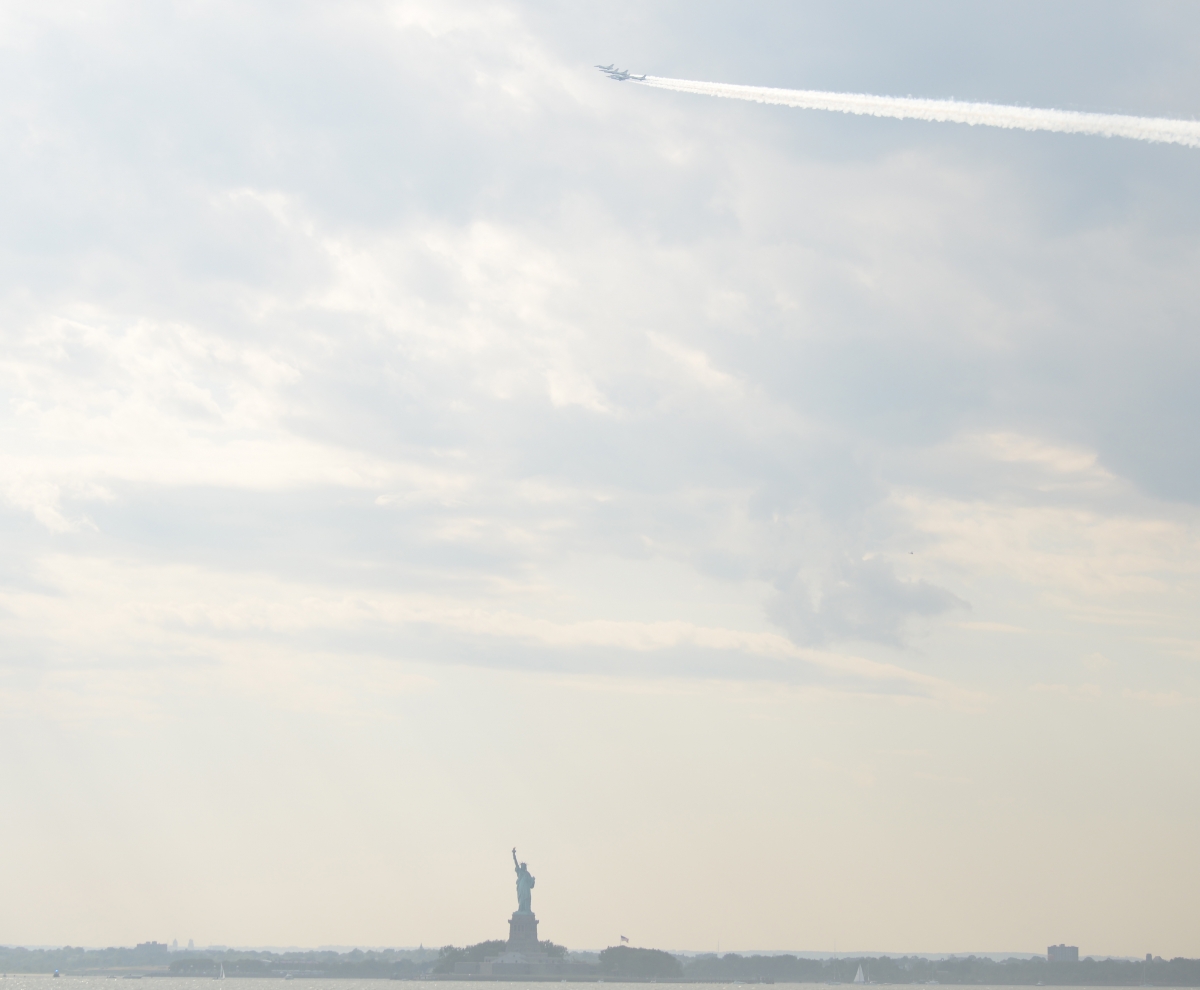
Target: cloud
x=992 y=627
x=156 y=618
x=863 y=600
x=484 y=346
x=1163 y=699
x=393 y=409
x=1076 y=692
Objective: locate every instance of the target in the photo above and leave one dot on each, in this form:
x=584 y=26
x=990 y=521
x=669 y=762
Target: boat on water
x=220 y=975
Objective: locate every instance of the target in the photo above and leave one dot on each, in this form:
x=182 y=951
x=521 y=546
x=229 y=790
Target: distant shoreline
x=159 y=974
x=617 y=964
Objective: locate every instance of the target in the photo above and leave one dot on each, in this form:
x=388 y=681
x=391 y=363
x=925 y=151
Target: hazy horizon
x=809 y=954
x=782 y=526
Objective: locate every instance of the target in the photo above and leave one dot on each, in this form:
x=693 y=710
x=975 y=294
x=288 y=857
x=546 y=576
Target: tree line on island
x=616 y=963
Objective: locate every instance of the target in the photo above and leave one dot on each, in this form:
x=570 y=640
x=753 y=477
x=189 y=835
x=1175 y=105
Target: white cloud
x=356 y=357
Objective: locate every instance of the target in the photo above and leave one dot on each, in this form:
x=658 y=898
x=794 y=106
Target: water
x=44 y=981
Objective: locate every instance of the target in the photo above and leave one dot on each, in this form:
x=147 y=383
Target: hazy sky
x=782 y=526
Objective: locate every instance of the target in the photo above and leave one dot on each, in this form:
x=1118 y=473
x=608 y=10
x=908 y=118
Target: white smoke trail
x=1186 y=132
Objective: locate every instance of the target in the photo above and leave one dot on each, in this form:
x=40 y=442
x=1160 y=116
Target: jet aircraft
x=620 y=75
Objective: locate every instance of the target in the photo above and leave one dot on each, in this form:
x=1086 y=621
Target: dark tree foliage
x=623 y=961
x=449 y=954
x=193 y=966
x=619 y=962
x=356 y=964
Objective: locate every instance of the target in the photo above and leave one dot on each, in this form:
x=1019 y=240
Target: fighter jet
x=620 y=75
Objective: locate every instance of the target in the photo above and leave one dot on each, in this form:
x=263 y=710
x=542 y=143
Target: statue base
x=523 y=957
x=522 y=932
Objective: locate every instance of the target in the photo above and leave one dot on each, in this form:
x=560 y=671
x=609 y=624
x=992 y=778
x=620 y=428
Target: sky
x=781 y=526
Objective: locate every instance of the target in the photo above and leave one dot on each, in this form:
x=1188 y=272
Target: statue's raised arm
x=516 y=865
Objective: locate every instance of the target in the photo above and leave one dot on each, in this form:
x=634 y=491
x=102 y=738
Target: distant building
x=1062 y=953
x=191 y=945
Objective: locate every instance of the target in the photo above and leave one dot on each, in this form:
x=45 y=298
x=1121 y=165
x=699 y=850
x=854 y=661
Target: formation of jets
x=620 y=75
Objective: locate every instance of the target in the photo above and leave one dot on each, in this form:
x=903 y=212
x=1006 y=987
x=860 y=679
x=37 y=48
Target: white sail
x=858 y=977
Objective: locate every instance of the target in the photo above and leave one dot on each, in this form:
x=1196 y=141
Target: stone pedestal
x=522 y=932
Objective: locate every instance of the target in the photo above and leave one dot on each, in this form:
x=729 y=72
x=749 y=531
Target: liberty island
x=523 y=955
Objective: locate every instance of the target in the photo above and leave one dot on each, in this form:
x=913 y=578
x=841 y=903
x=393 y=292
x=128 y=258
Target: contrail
x=1162 y=129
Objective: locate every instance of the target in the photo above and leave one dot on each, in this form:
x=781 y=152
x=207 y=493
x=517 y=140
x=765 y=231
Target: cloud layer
x=362 y=354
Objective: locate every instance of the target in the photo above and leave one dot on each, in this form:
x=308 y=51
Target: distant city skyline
x=519 y=957
x=801 y=953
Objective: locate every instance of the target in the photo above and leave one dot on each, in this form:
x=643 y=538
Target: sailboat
x=220 y=976
x=858 y=977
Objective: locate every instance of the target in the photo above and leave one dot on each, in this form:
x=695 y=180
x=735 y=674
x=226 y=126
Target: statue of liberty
x=525 y=884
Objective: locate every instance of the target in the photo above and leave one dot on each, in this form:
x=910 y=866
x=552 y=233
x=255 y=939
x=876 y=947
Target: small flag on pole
x=624 y=939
